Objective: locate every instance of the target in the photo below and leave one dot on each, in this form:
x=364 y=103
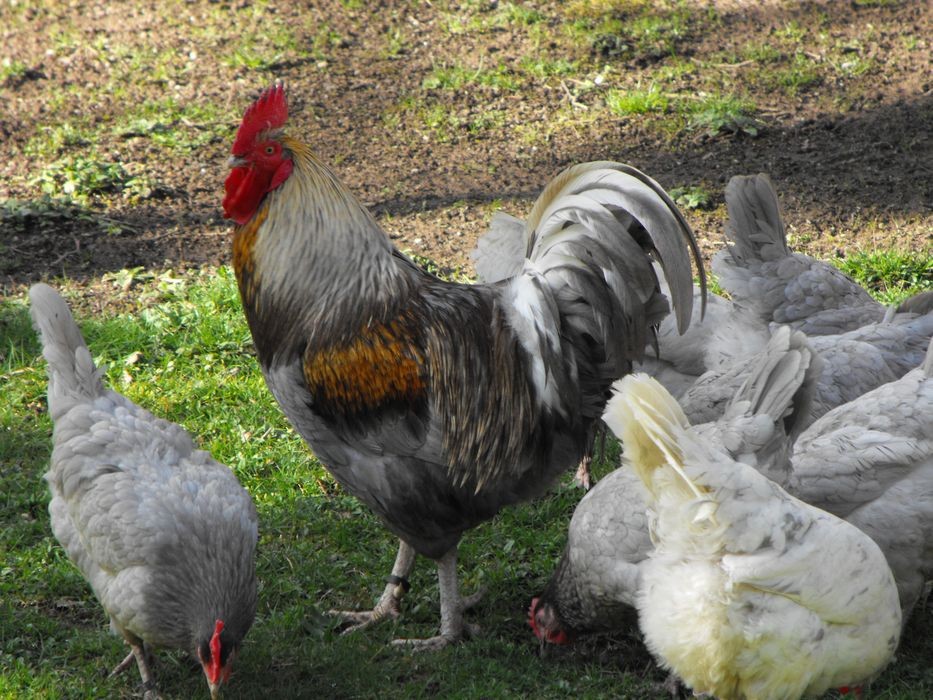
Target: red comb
x=269 y=111
x=214 y=675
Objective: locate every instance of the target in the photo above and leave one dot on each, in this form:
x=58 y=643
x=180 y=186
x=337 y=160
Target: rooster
x=165 y=535
x=436 y=403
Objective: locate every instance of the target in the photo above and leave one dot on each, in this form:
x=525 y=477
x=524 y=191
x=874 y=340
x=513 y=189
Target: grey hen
x=165 y=535
x=762 y=275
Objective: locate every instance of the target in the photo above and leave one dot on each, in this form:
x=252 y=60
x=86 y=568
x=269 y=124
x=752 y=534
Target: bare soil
x=851 y=156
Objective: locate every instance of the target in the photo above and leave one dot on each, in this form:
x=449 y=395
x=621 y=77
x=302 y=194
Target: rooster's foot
x=389 y=606
x=353 y=621
x=123 y=665
x=439 y=642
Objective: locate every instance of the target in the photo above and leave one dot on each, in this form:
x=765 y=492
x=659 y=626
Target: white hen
x=750 y=593
x=165 y=535
x=870 y=461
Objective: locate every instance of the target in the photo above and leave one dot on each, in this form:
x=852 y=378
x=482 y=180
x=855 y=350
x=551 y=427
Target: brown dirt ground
x=852 y=158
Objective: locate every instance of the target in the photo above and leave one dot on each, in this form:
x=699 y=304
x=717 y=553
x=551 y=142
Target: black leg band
x=399 y=581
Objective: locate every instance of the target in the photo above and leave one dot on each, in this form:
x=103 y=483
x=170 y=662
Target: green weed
x=692 y=197
x=637 y=101
x=457 y=77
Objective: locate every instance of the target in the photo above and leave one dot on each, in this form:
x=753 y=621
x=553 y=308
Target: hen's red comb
x=215 y=666
x=269 y=111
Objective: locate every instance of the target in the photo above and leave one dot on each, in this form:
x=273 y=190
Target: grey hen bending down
x=437 y=404
x=595 y=585
x=165 y=535
x=870 y=462
x=762 y=275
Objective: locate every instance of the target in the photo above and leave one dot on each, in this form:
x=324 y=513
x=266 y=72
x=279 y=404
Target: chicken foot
x=388 y=607
x=143 y=658
x=453 y=627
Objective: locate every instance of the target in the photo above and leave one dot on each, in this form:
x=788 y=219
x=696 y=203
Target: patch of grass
x=46 y=213
x=12 y=70
x=801 y=73
x=176 y=126
x=889 y=275
x=645 y=31
x=478 y=16
x=53 y=140
x=761 y=52
x=637 y=101
x=457 y=77
x=791 y=32
x=722 y=114
x=543 y=68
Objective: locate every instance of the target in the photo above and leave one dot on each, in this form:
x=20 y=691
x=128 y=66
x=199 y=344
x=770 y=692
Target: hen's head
x=260 y=162
x=545 y=624
x=216 y=655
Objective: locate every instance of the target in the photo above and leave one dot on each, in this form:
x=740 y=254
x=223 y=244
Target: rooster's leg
x=453 y=628
x=388 y=606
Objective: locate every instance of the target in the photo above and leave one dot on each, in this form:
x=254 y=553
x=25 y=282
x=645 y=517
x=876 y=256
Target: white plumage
x=732 y=597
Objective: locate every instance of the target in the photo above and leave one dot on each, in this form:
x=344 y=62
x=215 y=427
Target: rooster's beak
x=215 y=690
x=236 y=162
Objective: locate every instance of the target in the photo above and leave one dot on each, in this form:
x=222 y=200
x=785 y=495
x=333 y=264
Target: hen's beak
x=215 y=690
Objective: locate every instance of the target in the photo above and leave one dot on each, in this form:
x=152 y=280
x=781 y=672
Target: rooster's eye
x=270 y=150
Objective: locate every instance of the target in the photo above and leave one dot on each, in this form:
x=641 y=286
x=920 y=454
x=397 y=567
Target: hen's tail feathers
x=71 y=368
x=783 y=380
x=591 y=233
x=755 y=227
x=652 y=427
x=928 y=361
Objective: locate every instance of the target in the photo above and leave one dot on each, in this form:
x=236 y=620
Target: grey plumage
x=851 y=364
x=762 y=275
x=164 y=534
x=870 y=461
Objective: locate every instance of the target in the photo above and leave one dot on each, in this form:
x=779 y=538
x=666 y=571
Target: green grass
x=178 y=345
x=721 y=114
x=636 y=101
x=890 y=275
x=456 y=77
